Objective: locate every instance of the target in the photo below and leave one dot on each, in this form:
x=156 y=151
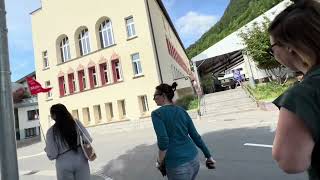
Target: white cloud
x=193 y=24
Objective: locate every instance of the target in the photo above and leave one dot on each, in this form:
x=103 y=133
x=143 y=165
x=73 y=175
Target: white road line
x=258 y=145
x=47 y=173
x=35 y=155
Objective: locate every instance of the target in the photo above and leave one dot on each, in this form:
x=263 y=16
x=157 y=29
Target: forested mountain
x=237 y=14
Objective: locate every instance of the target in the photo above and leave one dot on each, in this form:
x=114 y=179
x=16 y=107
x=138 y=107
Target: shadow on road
x=234 y=160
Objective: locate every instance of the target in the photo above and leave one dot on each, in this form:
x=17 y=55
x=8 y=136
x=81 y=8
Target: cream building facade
x=104 y=59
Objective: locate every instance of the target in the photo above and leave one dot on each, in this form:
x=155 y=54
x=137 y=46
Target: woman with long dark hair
x=63 y=145
x=177 y=137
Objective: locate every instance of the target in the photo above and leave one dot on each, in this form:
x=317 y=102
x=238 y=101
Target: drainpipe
x=154 y=42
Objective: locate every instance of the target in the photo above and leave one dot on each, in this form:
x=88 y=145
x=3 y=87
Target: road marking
x=258 y=145
x=35 y=155
x=48 y=173
x=100 y=173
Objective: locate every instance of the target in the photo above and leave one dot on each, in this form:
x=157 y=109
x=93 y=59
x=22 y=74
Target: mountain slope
x=237 y=14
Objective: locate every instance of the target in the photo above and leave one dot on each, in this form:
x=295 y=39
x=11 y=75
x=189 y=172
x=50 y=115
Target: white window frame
x=105 y=31
x=106 y=73
x=84 y=42
x=45 y=58
x=137 y=68
x=84 y=80
x=74 y=83
x=64 y=86
x=48 y=85
x=94 y=77
x=65 y=49
x=144 y=103
x=118 y=70
x=131 y=31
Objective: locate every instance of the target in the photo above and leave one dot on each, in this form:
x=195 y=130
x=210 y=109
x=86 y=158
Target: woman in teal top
x=176 y=137
x=295 y=43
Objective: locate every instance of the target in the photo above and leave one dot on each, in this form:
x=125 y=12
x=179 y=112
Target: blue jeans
x=186 y=171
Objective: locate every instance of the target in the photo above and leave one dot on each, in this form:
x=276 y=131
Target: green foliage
x=188 y=102
x=207 y=83
x=270 y=91
x=237 y=14
x=257 y=43
x=194 y=104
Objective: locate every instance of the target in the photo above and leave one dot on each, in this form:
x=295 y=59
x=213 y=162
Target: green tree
x=257 y=43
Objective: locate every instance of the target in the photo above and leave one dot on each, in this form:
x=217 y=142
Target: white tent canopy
x=234 y=42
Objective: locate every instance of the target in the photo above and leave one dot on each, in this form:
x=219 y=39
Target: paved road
x=131 y=155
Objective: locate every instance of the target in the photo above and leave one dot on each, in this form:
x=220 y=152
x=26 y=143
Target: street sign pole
x=8 y=150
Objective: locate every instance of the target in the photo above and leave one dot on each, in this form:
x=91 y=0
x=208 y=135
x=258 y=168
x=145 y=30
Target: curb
x=267 y=106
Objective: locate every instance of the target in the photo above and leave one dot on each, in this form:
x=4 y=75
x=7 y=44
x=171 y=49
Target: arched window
x=65 y=49
x=84 y=42
x=106 y=34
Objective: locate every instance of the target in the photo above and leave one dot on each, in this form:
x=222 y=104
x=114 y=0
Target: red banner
x=35 y=87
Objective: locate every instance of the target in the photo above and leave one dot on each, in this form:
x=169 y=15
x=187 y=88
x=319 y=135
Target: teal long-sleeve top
x=177 y=134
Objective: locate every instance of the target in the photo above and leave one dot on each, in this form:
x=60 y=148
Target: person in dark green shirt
x=295 y=43
x=177 y=137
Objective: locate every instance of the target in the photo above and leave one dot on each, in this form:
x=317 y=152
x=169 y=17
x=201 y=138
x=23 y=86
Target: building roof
x=24 y=78
x=36 y=10
x=234 y=42
x=165 y=12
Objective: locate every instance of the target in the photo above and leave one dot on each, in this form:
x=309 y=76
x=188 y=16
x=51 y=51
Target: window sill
x=32 y=120
x=118 y=81
x=101 y=49
x=108 y=46
x=133 y=37
x=114 y=121
x=138 y=76
x=94 y=88
x=46 y=68
x=143 y=116
x=49 y=99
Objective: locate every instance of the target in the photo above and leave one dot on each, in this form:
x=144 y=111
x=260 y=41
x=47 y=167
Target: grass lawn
x=269 y=91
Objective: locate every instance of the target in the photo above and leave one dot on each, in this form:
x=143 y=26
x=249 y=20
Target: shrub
x=188 y=102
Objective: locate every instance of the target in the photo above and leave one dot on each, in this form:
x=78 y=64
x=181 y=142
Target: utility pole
x=8 y=150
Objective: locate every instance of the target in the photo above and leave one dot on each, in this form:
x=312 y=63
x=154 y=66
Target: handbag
x=86 y=146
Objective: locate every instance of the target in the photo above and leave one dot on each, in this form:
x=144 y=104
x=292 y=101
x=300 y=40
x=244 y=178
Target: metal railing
x=249 y=92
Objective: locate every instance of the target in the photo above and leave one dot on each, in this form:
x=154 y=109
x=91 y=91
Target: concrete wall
x=170 y=69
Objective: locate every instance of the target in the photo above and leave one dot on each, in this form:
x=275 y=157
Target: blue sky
x=191 y=18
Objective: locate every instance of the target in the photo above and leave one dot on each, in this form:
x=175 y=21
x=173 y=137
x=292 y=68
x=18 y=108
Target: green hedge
x=188 y=102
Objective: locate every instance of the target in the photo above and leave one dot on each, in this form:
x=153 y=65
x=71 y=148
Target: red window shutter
x=103 y=79
x=168 y=45
x=106 y=76
x=80 y=79
x=61 y=87
x=171 y=49
x=91 y=77
x=174 y=53
x=114 y=73
x=70 y=78
x=177 y=56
